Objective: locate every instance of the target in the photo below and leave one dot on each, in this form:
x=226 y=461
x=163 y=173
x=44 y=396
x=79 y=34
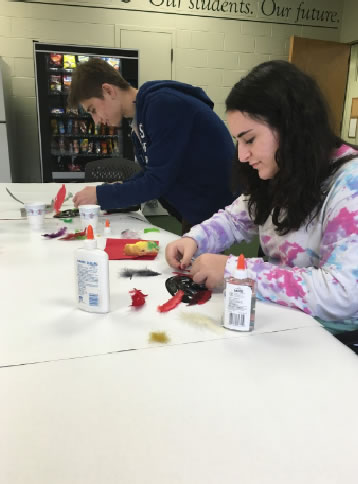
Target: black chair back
x=112 y=170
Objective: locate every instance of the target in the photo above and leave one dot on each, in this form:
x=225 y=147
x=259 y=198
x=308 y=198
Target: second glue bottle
x=240 y=299
x=92 y=276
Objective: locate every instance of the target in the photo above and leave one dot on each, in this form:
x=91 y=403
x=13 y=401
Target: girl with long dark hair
x=300 y=194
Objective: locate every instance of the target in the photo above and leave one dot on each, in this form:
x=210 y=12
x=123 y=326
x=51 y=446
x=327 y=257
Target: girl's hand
x=209 y=269
x=180 y=252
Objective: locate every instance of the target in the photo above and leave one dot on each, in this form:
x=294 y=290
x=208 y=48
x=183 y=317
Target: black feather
x=138 y=272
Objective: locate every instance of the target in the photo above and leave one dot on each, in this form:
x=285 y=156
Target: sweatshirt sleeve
x=166 y=139
x=328 y=290
x=227 y=226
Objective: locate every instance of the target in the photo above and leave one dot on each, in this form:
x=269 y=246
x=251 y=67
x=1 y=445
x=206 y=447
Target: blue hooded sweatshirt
x=185 y=150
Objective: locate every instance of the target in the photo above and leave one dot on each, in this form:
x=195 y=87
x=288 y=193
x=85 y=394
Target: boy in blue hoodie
x=185 y=150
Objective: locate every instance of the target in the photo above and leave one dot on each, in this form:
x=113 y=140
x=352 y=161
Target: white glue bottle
x=92 y=276
x=107 y=228
x=240 y=299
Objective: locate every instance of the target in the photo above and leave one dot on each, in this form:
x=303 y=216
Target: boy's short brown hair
x=87 y=80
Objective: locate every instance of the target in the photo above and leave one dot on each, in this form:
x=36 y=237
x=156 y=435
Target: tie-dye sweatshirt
x=314 y=269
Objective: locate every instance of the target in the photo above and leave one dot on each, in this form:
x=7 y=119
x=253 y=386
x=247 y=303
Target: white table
x=274 y=408
x=40 y=320
x=100 y=404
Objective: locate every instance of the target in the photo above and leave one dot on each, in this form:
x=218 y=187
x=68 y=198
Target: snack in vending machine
x=67 y=83
x=69 y=126
x=55 y=60
x=90 y=146
x=71 y=110
x=83 y=58
x=61 y=126
x=54 y=126
x=55 y=83
x=113 y=61
x=110 y=130
x=57 y=111
x=103 y=128
x=115 y=146
x=76 y=147
x=104 y=147
x=69 y=61
x=98 y=147
x=62 y=144
x=90 y=126
x=109 y=146
x=84 y=145
x=75 y=126
x=83 y=127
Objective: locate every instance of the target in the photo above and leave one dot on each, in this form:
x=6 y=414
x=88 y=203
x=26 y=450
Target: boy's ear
x=108 y=89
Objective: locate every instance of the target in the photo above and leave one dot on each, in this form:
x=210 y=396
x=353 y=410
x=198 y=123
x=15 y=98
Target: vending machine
x=68 y=137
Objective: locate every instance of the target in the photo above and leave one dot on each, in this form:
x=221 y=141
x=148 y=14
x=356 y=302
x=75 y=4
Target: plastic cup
x=89 y=215
x=35 y=212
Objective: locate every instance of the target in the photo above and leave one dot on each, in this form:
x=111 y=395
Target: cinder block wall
x=209 y=52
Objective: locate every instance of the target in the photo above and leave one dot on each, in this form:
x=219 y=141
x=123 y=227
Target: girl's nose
x=243 y=153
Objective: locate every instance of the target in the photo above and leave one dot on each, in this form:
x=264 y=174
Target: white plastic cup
x=35 y=212
x=89 y=215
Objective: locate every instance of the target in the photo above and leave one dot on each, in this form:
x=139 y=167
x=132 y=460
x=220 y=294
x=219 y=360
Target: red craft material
x=74 y=236
x=60 y=198
x=138 y=298
x=172 y=302
x=115 y=249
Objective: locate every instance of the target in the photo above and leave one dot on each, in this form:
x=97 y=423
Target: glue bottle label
x=88 y=282
x=92 y=280
x=239 y=302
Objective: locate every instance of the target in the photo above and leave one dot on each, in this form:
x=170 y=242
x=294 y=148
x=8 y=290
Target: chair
x=111 y=170
x=349 y=338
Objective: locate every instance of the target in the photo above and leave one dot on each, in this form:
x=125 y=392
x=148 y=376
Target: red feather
x=60 y=198
x=138 y=298
x=172 y=302
x=185 y=273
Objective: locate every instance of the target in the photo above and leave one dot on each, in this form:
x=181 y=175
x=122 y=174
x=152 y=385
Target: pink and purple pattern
x=314 y=269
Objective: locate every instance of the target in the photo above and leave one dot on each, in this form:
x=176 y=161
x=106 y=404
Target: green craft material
x=67 y=220
x=80 y=237
x=152 y=245
x=151 y=229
